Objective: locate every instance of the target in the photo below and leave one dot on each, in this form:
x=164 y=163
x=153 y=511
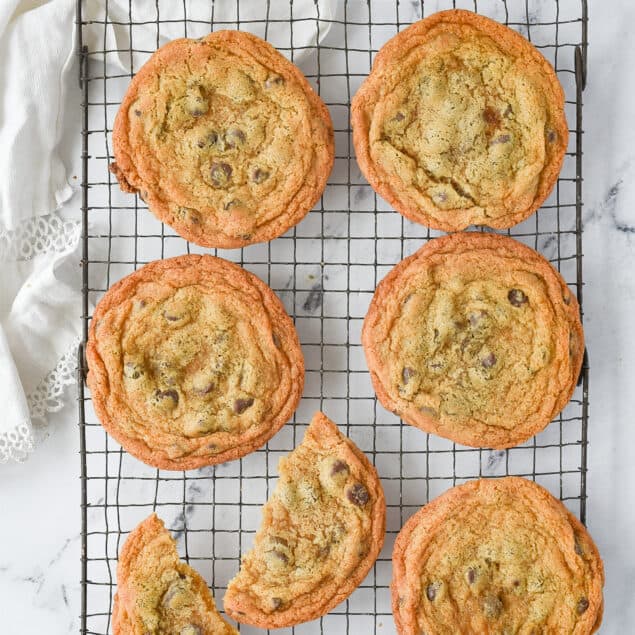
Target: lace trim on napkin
x=38 y=235
x=48 y=397
x=32 y=237
x=16 y=444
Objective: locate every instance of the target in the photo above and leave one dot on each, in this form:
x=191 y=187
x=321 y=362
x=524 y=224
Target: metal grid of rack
x=325 y=271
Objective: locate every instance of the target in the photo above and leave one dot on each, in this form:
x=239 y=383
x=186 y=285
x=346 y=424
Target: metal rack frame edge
x=82 y=52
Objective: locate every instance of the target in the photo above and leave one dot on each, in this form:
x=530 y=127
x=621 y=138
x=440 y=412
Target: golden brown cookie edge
x=498 y=439
x=326 y=429
x=363 y=101
x=434 y=515
x=130 y=181
x=97 y=378
x=149 y=528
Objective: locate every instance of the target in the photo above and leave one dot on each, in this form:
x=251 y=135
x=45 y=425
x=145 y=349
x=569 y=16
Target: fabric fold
x=40 y=299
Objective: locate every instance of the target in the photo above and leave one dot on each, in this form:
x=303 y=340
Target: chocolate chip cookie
x=321 y=532
x=157 y=593
x=192 y=361
x=476 y=338
x=224 y=139
x=496 y=556
x=461 y=122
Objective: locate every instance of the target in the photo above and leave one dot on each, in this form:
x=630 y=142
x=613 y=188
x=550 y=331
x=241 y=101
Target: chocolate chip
x=492 y=606
x=211 y=139
x=280 y=556
x=471 y=576
x=276 y=603
x=431 y=592
x=516 y=583
x=324 y=551
x=583 y=605
x=339 y=467
x=235 y=138
x=358 y=495
x=489 y=361
x=276 y=340
x=220 y=174
x=274 y=80
x=407 y=373
x=233 y=203
x=240 y=405
x=197 y=108
x=196 y=103
x=280 y=541
x=206 y=389
x=566 y=299
x=517 y=298
x=169 y=396
x=137 y=113
x=491 y=116
x=508 y=111
x=132 y=370
x=504 y=138
x=440 y=197
x=551 y=136
x=578 y=547
x=259 y=176
x=172 y=317
x=399 y=116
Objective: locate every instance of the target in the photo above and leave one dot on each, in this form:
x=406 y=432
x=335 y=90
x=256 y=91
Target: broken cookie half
x=159 y=594
x=321 y=532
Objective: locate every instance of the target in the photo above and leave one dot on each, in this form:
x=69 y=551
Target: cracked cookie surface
x=193 y=361
x=476 y=338
x=460 y=122
x=322 y=530
x=157 y=594
x=496 y=556
x=224 y=139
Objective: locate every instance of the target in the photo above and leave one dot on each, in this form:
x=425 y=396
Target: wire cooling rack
x=325 y=271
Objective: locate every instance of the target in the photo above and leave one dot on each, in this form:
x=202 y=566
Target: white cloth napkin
x=39 y=314
x=39 y=309
x=99 y=33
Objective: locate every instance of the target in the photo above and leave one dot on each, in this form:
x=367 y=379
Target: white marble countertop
x=39 y=532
